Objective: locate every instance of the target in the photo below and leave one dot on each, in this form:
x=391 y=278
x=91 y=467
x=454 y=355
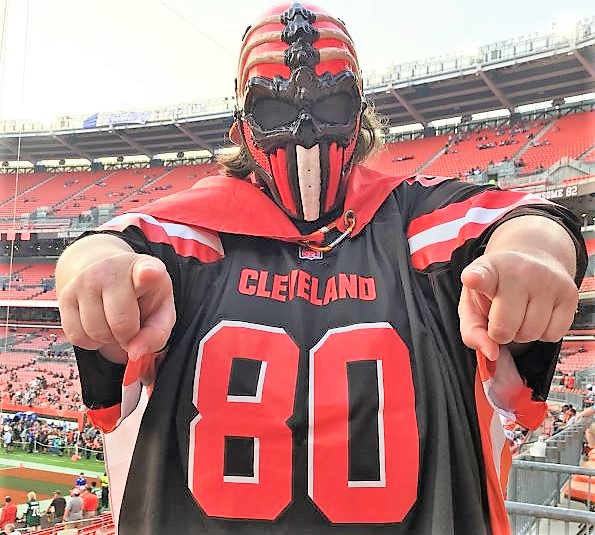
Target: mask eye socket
x=339 y=109
x=271 y=113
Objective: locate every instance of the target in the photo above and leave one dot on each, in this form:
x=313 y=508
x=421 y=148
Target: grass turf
x=82 y=465
x=40 y=487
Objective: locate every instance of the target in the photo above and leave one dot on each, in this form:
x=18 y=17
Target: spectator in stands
x=563 y=416
x=33 y=512
x=90 y=502
x=588 y=414
x=571 y=416
x=589 y=399
x=7 y=438
x=74 y=507
x=97 y=491
x=56 y=508
x=10 y=529
x=9 y=513
x=484 y=289
x=571 y=381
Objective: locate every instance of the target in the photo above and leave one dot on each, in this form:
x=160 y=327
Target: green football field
x=83 y=465
x=40 y=487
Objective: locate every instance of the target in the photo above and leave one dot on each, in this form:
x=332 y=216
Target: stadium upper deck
x=502 y=75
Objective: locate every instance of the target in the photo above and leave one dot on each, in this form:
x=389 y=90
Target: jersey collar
x=234 y=206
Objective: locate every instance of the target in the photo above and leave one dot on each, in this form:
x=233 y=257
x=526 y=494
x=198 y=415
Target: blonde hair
x=31 y=496
x=239 y=162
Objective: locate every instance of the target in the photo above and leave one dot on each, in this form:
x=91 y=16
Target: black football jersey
x=319 y=393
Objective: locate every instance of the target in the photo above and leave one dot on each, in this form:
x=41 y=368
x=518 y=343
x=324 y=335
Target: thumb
x=147 y=271
x=481 y=276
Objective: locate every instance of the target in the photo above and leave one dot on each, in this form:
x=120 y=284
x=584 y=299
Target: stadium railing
x=535 y=485
x=99 y=525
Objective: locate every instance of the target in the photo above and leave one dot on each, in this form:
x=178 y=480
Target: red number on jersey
x=390 y=498
x=263 y=418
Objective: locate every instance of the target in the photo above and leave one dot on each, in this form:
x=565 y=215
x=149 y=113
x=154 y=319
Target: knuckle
x=87 y=282
x=552 y=336
x=570 y=292
x=500 y=333
x=99 y=334
x=524 y=337
x=123 y=325
x=78 y=338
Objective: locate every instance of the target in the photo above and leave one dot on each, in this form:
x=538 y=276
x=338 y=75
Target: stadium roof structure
x=502 y=75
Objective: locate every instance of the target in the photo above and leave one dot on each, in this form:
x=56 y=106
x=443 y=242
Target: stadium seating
x=172 y=181
x=569 y=136
x=477 y=149
x=577 y=356
x=588 y=284
x=406 y=157
x=590 y=156
x=24 y=182
x=28 y=281
x=50 y=191
x=109 y=189
x=100 y=525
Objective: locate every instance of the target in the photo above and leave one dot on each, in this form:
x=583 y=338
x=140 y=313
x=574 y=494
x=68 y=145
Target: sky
x=77 y=57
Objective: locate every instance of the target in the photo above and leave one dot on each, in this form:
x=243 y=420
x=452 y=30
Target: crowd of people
x=87 y=499
x=48 y=389
x=44 y=376
x=34 y=435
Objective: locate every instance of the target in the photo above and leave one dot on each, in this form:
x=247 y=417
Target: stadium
x=518 y=114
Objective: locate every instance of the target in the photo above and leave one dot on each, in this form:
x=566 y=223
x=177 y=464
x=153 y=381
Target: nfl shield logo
x=309 y=254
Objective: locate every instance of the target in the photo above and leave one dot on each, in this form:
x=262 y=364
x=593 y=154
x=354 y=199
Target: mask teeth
x=281 y=187
x=324 y=173
x=335 y=164
x=291 y=174
x=309 y=180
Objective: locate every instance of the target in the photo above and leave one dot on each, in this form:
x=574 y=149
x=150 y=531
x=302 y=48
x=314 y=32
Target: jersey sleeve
x=112 y=391
x=450 y=222
x=449 y=225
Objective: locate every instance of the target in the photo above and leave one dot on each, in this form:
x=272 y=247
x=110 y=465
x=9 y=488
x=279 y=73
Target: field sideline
x=82 y=465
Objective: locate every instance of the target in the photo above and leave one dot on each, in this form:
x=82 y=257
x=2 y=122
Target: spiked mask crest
x=299 y=98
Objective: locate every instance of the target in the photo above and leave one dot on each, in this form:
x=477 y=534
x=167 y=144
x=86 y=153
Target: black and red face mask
x=300 y=107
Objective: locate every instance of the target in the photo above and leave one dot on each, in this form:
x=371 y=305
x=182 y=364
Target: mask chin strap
x=349 y=220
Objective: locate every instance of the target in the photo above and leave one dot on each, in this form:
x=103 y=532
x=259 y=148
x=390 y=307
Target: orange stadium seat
x=48 y=192
x=406 y=157
x=464 y=152
x=569 y=136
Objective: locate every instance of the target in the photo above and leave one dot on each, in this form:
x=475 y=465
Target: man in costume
x=308 y=346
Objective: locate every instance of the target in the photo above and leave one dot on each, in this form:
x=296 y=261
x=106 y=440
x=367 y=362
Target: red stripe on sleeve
x=434 y=237
x=442 y=251
x=186 y=241
x=489 y=199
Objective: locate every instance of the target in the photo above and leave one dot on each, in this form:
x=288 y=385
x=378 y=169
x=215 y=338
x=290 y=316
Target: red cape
x=234 y=206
